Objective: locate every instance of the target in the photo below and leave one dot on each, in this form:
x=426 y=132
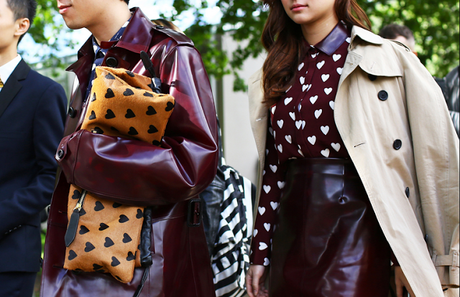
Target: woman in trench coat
x=393 y=161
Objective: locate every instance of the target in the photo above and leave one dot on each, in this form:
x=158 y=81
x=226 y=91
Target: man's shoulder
x=178 y=37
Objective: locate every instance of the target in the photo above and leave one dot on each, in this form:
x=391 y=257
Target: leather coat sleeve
x=134 y=172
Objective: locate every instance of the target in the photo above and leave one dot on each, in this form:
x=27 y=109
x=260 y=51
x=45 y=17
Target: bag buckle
x=194 y=212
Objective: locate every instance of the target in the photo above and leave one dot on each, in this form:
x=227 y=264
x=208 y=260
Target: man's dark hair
x=23 y=9
x=392 y=31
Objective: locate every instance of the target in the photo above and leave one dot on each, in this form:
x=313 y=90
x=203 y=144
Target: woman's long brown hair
x=283 y=39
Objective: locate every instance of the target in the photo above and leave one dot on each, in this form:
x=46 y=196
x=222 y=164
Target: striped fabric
x=230 y=259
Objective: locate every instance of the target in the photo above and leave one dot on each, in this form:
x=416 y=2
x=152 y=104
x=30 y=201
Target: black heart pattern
x=89 y=247
x=128 y=92
x=114 y=129
x=76 y=194
x=82 y=212
x=169 y=106
x=92 y=116
x=109 y=114
x=129 y=73
x=72 y=255
x=83 y=230
x=132 y=131
x=129 y=114
x=97 y=130
x=115 y=262
x=109 y=93
x=99 y=206
x=139 y=214
x=118 y=278
x=131 y=256
x=126 y=238
x=116 y=205
x=93 y=98
x=152 y=129
x=108 y=242
x=156 y=142
x=151 y=110
x=109 y=76
x=123 y=219
x=147 y=94
x=96 y=267
x=103 y=227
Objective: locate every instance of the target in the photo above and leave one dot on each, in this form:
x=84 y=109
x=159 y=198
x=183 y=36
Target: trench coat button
x=72 y=112
x=372 y=77
x=397 y=144
x=111 y=62
x=383 y=95
x=407 y=192
x=60 y=154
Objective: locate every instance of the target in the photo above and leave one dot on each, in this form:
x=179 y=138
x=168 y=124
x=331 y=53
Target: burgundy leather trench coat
x=134 y=172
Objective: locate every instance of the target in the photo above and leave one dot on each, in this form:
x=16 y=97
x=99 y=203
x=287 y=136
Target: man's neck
x=110 y=23
x=8 y=54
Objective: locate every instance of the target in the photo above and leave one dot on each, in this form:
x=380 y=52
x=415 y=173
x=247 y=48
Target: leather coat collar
x=334 y=40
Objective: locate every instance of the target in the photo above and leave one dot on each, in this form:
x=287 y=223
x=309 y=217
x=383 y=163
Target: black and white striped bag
x=230 y=257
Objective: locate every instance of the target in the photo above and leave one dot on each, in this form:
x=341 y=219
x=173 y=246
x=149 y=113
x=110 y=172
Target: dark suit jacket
x=32 y=114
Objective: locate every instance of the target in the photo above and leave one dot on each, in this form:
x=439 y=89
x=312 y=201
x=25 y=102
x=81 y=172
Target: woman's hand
x=255 y=278
x=401 y=282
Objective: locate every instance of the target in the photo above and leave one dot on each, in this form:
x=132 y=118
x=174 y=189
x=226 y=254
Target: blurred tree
x=435 y=24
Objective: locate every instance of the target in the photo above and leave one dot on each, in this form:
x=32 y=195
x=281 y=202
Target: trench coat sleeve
x=133 y=172
x=436 y=153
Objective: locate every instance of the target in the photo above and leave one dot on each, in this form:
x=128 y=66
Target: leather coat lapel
x=13 y=85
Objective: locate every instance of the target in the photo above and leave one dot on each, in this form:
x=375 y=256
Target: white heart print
x=267 y=188
x=273 y=109
x=325 y=152
x=266 y=262
x=273 y=168
x=339 y=70
x=274 y=205
x=292 y=115
x=300 y=66
x=314 y=55
x=254 y=234
x=300 y=124
x=306 y=87
x=261 y=210
x=313 y=99
x=312 y=139
x=262 y=246
x=324 y=129
x=287 y=100
x=318 y=113
x=332 y=104
x=320 y=64
x=335 y=146
x=280 y=184
x=327 y=90
x=267 y=226
x=324 y=77
x=288 y=138
x=280 y=148
x=336 y=57
x=280 y=123
x=302 y=80
x=348 y=39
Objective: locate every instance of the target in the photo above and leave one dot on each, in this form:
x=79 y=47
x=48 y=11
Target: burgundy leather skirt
x=327 y=241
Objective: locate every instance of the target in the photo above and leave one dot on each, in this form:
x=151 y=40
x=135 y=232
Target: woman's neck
x=317 y=31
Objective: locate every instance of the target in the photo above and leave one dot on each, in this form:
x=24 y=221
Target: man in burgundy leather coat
x=164 y=177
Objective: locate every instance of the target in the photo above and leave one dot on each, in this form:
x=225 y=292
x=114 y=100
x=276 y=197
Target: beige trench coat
x=413 y=190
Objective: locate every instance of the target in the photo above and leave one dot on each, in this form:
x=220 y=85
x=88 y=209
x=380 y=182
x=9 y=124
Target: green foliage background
x=435 y=24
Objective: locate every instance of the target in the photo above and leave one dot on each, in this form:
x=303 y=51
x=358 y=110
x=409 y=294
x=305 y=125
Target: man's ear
x=22 y=25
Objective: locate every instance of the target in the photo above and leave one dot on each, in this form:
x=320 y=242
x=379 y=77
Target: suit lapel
x=13 y=85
